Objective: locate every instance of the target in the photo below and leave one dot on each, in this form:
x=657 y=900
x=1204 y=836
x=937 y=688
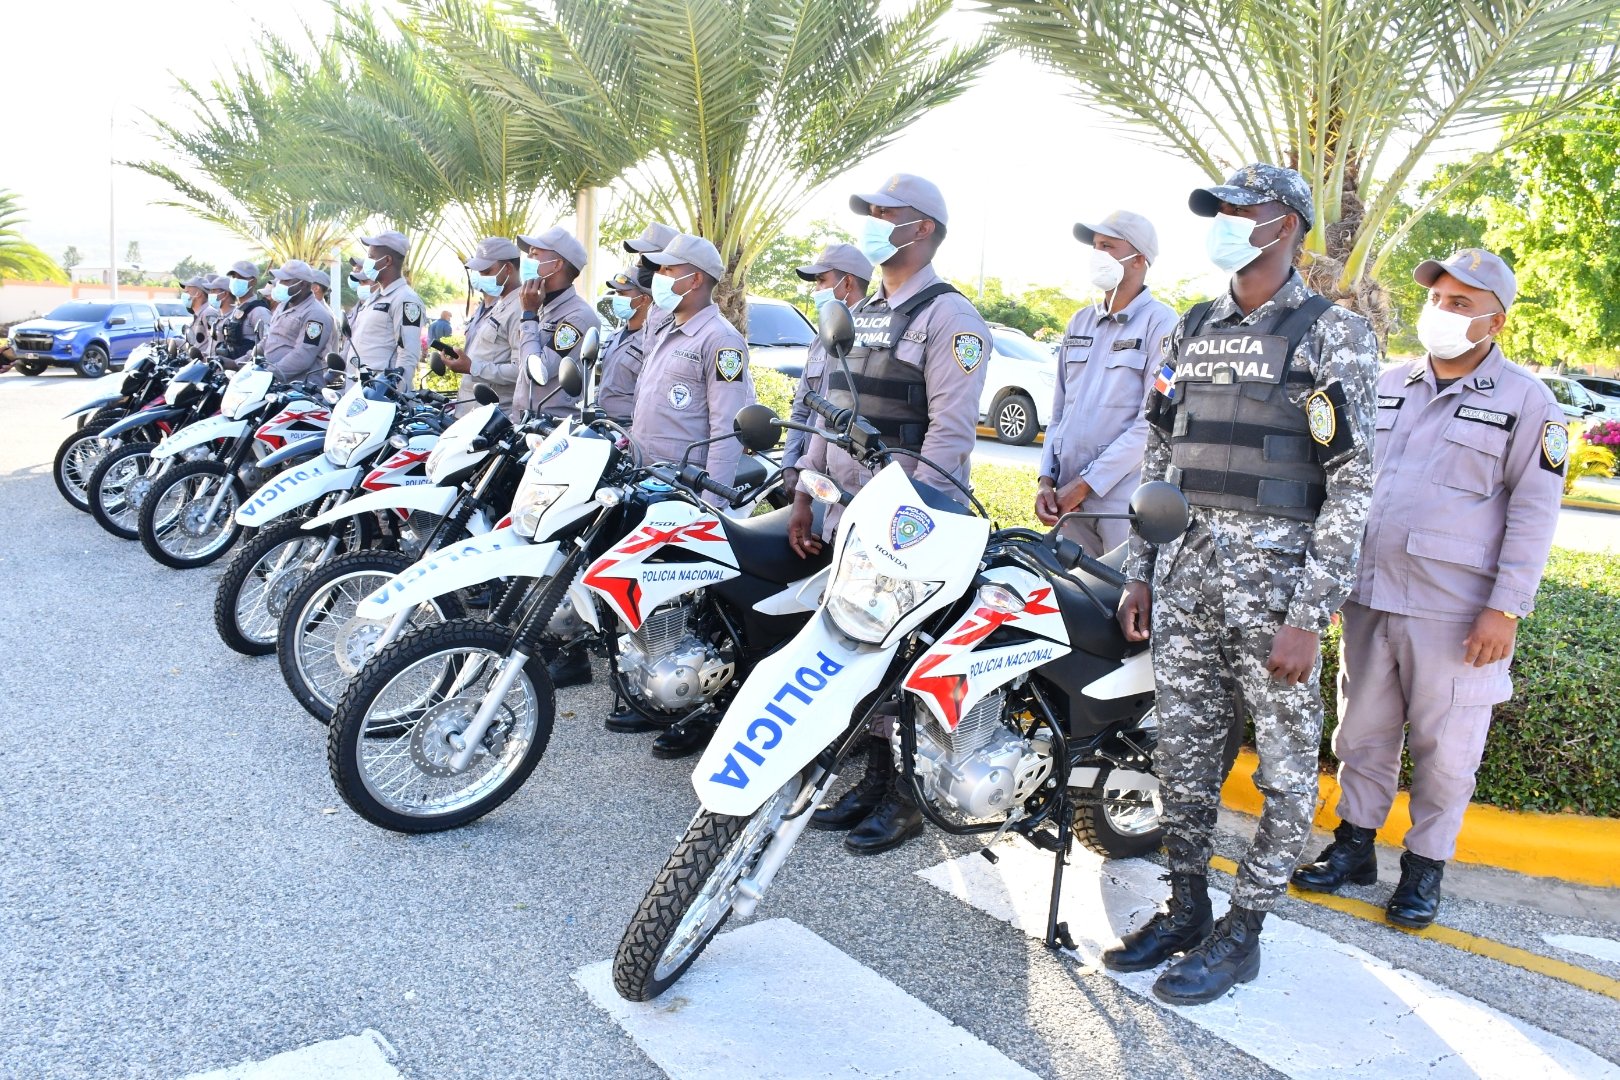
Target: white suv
x=1019 y=386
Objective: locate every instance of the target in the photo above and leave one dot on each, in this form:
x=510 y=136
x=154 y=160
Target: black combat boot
x=1186 y=921
x=1230 y=955
x=569 y=666
x=895 y=821
x=1350 y=858
x=859 y=801
x=685 y=738
x=1417 y=898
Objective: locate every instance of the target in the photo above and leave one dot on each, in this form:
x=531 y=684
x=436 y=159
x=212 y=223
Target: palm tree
x=723 y=116
x=20 y=260
x=1356 y=94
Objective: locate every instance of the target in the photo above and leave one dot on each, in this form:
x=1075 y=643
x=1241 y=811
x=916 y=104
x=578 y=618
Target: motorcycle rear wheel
x=258 y=581
x=76 y=461
x=173 y=530
x=119 y=487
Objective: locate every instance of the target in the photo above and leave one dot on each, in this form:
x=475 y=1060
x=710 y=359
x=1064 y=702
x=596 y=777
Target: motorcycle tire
x=346 y=579
x=113 y=503
x=350 y=735
x=76 y=461
x=165 y=528
x=247 y=624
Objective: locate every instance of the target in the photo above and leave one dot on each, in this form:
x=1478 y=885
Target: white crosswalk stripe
x=773 y=1000
x=1318 y=1003
x=1596 y=947
x=366 y=1056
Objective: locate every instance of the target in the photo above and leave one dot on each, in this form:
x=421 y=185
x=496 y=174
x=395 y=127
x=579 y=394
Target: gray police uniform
x=693 y=380
x=1096 y=430
x=1463 y=511
x=919 y=365
x=620 y=366
x=242 y=327
x=494 y=349
x=552 y=333
x=298 y=338
x=811 y=379
x=199 y=334
x=1273 y=447
x=386 y=331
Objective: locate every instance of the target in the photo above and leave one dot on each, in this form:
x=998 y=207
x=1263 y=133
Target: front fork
x=466 y=743
x=751 y=889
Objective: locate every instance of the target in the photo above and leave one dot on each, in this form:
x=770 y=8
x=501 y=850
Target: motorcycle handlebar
x=826 y=409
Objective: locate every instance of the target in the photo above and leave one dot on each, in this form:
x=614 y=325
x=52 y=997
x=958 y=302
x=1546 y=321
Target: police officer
x=301 y=331
x=219 y=306
x=839 y=273
x=493 y=355
x=197 y=334
x=555 y=318
x=386 y=327
x=1263 y=415
x=694 y=379
x=1111 y=353
x=655 y=237
x=1471 y=452
x=918 y=363
x=623 y=354
x=245 y=325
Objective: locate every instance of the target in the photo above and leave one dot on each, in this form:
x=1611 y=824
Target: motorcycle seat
x=750 y=471
x=761 y=545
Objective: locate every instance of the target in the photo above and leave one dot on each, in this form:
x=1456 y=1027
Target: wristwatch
x=1512 y=616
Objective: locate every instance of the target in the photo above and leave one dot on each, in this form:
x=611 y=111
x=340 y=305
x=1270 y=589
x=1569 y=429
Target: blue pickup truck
x=90 y=336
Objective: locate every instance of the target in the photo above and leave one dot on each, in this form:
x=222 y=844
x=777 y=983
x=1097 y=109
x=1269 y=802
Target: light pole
x=112 y=210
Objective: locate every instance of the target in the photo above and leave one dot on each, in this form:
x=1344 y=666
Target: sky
x=1019 y=160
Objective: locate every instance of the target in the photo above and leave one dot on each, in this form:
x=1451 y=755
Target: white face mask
x=1106 y=271
x=1445 y=333
x=1228 y=241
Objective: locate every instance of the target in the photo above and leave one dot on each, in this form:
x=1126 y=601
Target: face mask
x=214 y=301
x=1106 y=271
x=622 y=308
x=1228 y=241
x=488 y=284
x=239 y=287
x=663 y=291
x=370 y=266
x=530 y=269
x=1445 y=333
x=281 y=293
x=876 y=237
x=363 y=290
x=822 y=297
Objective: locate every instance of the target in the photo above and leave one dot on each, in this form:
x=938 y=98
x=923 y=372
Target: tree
x=189 y=268
x=998 y=306
x=436 y=289
x=774 y=272
x=1354 y=93
x=20 y=260
x=71 y=258
x=729 y=114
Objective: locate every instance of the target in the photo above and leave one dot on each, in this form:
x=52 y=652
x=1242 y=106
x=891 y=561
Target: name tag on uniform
x=1391 y=402
x=919 y=337
x=379 y=307
x=1486 y=416
x=1078 y=339
x=1124 y=344
x=684 y=355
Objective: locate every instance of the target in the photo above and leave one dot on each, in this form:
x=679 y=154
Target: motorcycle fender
x=199 y=434
x=293 y=451
x=795 y=702
x=295 y=487
x=1134 y=676
x=797 y=598
x=92 y=406
x=503 y=553
x=140 y=419
x=584 y=603
x=434 y=500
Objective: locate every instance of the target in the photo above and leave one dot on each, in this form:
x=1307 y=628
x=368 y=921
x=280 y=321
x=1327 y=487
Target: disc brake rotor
x=356 y=642
x=431 y=748
x=279 y=586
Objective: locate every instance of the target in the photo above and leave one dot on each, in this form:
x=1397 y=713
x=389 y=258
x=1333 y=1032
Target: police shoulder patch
x=1554 y=446
x=969 y=350
x=565 y=337
x=1324 y=422
x=413 y=314
x=312 y=330
x=728 y=364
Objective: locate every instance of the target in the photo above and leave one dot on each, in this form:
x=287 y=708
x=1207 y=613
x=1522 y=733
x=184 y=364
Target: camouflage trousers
x=1199 y=662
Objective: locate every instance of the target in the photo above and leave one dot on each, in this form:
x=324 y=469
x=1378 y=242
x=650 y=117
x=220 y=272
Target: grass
x=1587 y=491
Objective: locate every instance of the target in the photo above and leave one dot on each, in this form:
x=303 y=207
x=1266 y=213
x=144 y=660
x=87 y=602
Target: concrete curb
x=1596 y=507
x=1570 y=847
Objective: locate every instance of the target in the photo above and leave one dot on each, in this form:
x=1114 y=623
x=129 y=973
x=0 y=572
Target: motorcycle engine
x=984 y=768
x=668 y=665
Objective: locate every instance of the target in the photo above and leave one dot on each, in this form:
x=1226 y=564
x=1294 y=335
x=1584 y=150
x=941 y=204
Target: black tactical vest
x=234 y=342
x=1236 y=440
x=894 y=395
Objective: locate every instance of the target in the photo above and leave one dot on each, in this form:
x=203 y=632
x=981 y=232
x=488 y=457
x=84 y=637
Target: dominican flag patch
x=1165 y=384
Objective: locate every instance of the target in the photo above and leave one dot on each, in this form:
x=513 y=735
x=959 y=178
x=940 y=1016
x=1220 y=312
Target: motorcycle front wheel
x=176 y=526
x=119 y=487
x=396 y=729
x=259 y=580
x=76 y=461
x=690 y=899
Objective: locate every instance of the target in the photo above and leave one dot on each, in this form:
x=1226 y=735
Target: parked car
x=1576 y=400
x=779 y=335
x=1019 y=387
x=174 y=315
x=1607 y=391
x=91 y=336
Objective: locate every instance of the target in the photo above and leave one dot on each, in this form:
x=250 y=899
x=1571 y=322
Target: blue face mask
x=363 y=290
x=280 y=293
x=239 y=287
x=214 y=301
x=822 y=297
x=876 y=239
x=622 y=310
x=528 y=268
x=370 y=266
x=663 y=290
x=488 y=284
x=1228 y=241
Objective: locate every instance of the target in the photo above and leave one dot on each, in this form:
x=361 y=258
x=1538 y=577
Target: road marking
x=1598 y=948
x=774 y=1000
x=1320 y=1008
x=366 y=1056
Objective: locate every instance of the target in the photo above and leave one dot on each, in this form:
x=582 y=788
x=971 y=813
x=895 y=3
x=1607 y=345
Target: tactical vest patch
x=875 y=329
x=1324 y=423
x=728 y=364
x=565 y=337
x=1501 y=420
x=1226 y=357
x=969 y=350
x=1554 y=447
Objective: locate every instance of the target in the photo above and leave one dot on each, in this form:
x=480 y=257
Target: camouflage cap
x=1474 y=267
x=1255 y=184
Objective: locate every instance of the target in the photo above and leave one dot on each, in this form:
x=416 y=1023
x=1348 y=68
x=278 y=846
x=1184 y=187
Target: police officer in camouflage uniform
x=622 y=354
x=839 y=273
x=386 y=326
x=555 y=318
x=301 y=332
x=1263 y=415
x=918 y=364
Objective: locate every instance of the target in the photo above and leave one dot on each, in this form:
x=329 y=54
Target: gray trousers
x=1402 y=680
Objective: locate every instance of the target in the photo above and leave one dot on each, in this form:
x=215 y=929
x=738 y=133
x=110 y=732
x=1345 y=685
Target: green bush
x=774 y=389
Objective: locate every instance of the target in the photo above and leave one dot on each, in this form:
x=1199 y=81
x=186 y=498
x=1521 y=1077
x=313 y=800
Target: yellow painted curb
x=1570 y=847
x=990 y=433
x=1585 y=504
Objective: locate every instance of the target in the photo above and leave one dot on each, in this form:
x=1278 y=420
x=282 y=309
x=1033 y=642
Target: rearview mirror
x=117 y=320
x=536 y=367
x=570 y=375
x=1159 y=512
x=437 y=366
x=589 y=346
x=756 y=424
x=835 y=328
x=484 y=394
x=334 y=362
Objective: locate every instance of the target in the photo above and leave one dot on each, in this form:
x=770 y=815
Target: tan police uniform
x=300 y=333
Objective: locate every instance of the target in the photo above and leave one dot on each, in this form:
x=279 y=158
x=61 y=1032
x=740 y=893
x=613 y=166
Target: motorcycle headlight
x=341 y=445
x=531 y=503
x=232 y=401
x=866 y=603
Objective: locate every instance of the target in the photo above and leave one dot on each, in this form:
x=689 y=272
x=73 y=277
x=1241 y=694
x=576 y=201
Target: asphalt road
x=181 y=889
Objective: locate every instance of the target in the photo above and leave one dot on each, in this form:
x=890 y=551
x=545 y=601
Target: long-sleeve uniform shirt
x=1263 y=552
x=1468 y=487
x=694 y=379
x=620 y=370
x=551 y=334
x=494 y=348
x=298 y=338
x=250 y=322
x=386 y=331
x=815 y=372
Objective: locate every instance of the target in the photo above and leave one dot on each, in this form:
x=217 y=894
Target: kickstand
x=1058 y=932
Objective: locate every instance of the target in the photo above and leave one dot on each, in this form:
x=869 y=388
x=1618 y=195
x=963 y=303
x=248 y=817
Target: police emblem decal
x=1554 y=446
x=565 y=337
x=910 y=525
x=1324 y=422
x=728 y=363
x=551 y=452
x=312 y=330
x=680 y=395
x=413 y=314
x=356 y=407
x=969 y=349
